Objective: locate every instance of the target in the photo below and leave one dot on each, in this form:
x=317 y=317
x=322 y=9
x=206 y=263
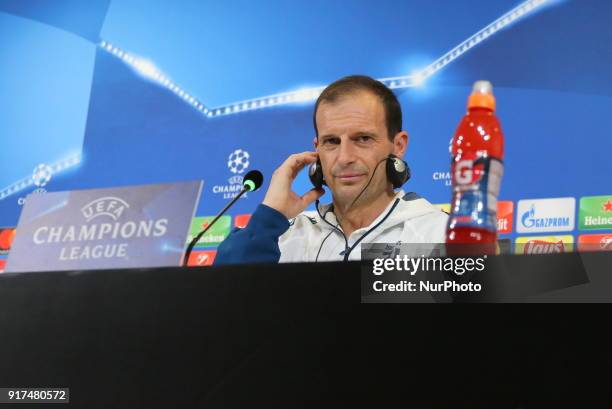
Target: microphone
x=250 y=183
x=252 y=180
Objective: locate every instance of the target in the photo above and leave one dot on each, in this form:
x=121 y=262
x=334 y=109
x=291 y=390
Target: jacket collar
x=410 y=205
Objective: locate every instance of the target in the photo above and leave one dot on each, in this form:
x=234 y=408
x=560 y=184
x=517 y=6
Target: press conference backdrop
x=114 y=93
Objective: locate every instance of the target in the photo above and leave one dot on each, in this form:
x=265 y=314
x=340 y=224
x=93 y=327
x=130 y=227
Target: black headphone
x=398 y=172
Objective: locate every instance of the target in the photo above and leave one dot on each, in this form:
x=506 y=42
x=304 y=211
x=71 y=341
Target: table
x=295 y=336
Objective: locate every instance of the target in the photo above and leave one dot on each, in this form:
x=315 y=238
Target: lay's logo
x=544 y=245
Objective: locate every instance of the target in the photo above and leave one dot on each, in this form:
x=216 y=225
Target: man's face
x=352 y=141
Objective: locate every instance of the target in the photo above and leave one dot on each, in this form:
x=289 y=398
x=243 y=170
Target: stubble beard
x=345 y=199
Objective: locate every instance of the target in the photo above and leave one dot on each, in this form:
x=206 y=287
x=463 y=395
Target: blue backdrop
x=112 y=93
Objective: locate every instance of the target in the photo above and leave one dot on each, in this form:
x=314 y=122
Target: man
x=358 y=124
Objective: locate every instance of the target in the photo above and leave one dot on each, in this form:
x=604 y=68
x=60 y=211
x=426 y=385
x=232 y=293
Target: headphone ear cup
x=315 y=173
x=398 y=171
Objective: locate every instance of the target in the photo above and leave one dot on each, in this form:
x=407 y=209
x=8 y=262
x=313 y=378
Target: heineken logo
x=595 y=213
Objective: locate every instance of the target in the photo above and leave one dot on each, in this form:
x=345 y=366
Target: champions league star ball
x=238 y=161
x=42 y=175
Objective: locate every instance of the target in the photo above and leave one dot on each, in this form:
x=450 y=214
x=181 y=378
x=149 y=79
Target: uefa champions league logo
x=238 y=161
x=42 y=174
x=110 y=206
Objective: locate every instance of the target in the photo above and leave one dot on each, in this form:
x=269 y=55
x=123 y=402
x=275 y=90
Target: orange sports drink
x=477 y=153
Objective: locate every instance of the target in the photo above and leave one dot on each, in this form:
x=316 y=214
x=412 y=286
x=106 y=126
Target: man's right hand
x=280 y=196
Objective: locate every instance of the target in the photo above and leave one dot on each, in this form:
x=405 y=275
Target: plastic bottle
x=477 y=152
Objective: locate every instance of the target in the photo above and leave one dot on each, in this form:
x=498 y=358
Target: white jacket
x=407 y=219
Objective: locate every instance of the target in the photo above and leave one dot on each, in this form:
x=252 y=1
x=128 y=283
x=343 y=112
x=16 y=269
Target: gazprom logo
x=546 y=215
x=110 y=206
x=530 y=220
